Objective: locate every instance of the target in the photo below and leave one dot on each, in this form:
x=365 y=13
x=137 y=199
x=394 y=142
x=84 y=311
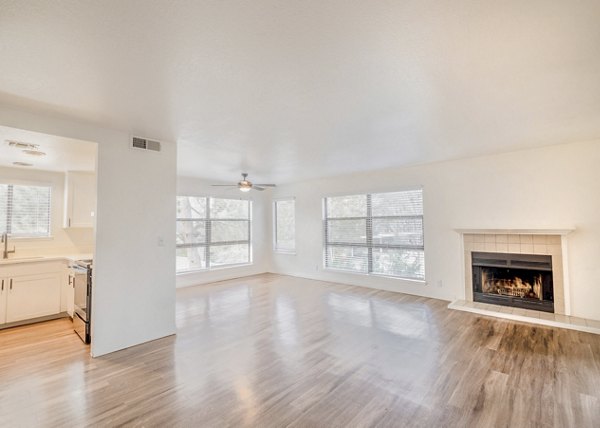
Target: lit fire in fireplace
x=514 y=287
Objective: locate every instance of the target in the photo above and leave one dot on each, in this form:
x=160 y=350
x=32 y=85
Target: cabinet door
x=32 y=296
x=80 y=199
x=3 y=295
x=71 y=296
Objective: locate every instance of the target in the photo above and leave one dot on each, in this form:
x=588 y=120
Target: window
x=379 y=233
x=285 y=225
x=25 y=210
x=212 y=232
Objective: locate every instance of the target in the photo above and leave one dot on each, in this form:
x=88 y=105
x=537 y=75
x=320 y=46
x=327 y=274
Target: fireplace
x=518 y=280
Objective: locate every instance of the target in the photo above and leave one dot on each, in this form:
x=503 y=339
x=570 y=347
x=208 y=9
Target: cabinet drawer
x=32 y=268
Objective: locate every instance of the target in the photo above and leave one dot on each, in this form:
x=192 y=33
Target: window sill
x=377 y=275
x=215 y=269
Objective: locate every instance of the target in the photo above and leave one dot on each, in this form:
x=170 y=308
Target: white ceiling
x=302 y=89
x=62 y=154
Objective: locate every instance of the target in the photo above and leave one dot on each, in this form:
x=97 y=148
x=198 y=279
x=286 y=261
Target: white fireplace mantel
x=562 y=232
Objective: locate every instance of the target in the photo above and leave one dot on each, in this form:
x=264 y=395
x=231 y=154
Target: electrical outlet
x=161 y=242
x=439 y=283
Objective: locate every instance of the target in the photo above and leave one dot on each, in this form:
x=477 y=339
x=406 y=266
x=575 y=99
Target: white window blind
x=25 y=210
x=285 y=225
x=212 y=232
x=379 y=233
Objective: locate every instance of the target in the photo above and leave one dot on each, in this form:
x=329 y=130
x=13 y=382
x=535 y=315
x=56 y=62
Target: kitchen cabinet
x=3 y=295
x=30 y=290
x=32 y=296
x=80 y=199
x=70 y=296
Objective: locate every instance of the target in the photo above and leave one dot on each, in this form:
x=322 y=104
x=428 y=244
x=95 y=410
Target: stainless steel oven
x=81 y=277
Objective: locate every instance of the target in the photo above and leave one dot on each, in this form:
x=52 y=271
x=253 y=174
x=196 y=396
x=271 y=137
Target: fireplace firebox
x=518 y=280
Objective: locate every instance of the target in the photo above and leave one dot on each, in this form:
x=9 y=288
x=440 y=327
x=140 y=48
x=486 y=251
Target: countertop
x=46 y=258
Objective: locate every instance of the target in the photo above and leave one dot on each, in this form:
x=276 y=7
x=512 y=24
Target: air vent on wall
x=144 y=144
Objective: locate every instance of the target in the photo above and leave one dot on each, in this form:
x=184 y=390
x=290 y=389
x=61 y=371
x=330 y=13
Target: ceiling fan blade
x=266 y=185
x=259 y=188
x=224 y=185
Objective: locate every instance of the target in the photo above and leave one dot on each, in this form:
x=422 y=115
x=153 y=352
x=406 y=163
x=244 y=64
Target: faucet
x=5 y=242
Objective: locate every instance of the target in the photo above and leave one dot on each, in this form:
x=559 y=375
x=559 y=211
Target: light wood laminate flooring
x=277 y=351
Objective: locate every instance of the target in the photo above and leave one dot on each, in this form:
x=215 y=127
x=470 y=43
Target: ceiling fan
x=245 y=185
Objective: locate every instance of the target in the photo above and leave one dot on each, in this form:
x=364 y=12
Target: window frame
x=369 y=235
x=208 y=231
x=276 y=248
x=28 y=183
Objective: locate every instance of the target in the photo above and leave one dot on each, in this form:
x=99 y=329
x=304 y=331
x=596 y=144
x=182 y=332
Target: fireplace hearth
x=517 y=280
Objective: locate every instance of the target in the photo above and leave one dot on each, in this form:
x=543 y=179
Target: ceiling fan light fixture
x=246 y=185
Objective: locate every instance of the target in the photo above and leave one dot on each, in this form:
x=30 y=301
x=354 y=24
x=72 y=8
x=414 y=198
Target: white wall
x=552 y=187
x=261 y=248
x=62 y=241
x=134 y=277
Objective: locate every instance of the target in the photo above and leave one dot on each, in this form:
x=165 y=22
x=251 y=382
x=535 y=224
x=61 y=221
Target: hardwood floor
x=275 y=351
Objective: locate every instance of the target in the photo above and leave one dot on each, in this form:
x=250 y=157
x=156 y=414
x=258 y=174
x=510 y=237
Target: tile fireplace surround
x=546 y=242
x=520 y=241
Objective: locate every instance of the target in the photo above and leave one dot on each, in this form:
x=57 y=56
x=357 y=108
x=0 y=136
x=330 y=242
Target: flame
x=515 y=287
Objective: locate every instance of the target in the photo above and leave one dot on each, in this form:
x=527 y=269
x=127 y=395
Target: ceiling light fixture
x=22 y=164
x=246 y=185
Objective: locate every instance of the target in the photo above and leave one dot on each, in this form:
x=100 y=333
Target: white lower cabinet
x=3 y=295
x=32 y=296
x=29 y=291
x=70 y=296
